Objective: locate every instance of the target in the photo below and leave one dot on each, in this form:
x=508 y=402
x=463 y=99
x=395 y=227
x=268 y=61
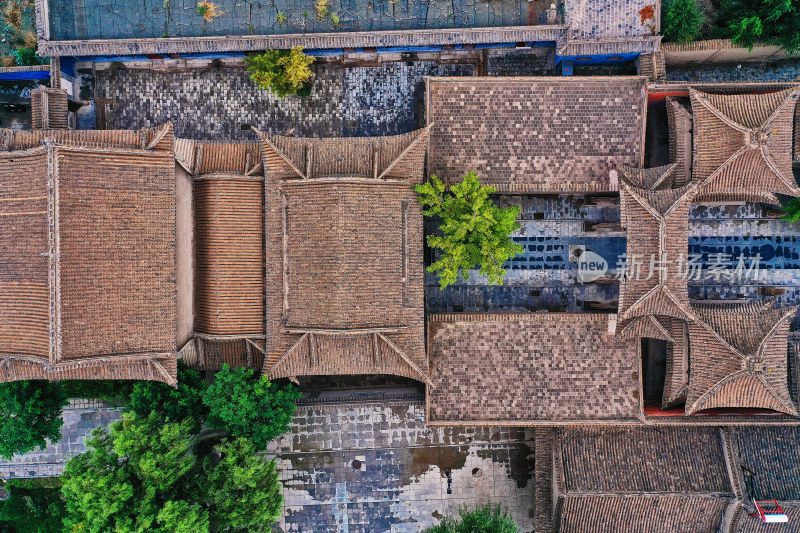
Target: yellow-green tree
x=283 y=72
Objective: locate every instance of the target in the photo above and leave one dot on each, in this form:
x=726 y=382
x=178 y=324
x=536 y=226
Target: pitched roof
x=658 y=513
x=551 y=135
x=103 y=310
x=344 y=256
x=775 y=452
x=528 y=369
x=633 y=479
x=656 y=218
x=229 y=235
x=628 y=460
x=743 y=145
x=739 y=358
x=679 y=119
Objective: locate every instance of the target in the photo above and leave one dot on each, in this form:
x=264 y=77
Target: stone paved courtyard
x=375 y=468
x=81 y=417
x=358 y=466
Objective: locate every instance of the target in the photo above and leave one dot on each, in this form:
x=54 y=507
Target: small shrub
x=486 y=519
x=474 y=230
x=27 y=57
x=281 y=18
x=280 y=71
x=208 y=10
x=9 y=61
x=335 y=20
x=682 y=21
x=646 y=13
x=322 y=7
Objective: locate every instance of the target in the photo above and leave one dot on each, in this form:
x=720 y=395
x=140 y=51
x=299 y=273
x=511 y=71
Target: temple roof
x=656 y=218
x=528 y=369
x=87 y=256
x=743 y=145
x=526 y=135
x=344 y=256
x=739 y=358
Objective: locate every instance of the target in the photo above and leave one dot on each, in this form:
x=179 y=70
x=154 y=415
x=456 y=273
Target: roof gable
x=743 y=144
x=738 y=359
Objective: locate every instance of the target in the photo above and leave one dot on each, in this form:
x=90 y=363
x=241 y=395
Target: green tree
x=248 y=406
x=682 y=21
x=283 y=72
x=148 y=475
x=486 y=519
x=242 y=488
x=176 y=405
x=30 y=413
x=35 y=506
x=747 y=22
x=127 y=479
x=474 y=230
x=792 y=210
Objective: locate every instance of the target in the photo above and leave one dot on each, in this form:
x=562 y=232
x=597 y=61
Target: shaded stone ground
x=784 y=70
x=374 y=468
x=81 y=417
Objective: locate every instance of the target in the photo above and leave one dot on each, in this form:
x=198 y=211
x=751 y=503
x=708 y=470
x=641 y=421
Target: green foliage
x=127 y=479
x=281 y=71
x=35 y=506
x=149 y=475
x=113 y=391
x=792 y=210
x=682 y=20
x=247 y=406
x=486 y=519
x=747 y=22
x=30 y=412
x=243 y=488
x=474 y=230
x=175 y=405
x=27 y=57
x=281 y=18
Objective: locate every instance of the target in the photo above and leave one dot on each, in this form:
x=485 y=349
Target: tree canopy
x=149 y=474
x=682 y=20
x=30 y=413
x=248 y=406
x=174 y=404
x=474 y=230
x=747 y=22
x=283 y=72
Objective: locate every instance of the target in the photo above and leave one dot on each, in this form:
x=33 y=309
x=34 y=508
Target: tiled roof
x=743 y=145
x=633 y=479
x=660 y=513
x=676 y=382
x=773 y=453
x=48 y=108
x=679 y=118
x=552 y=135
x=643 y=460
x=344 y=256
x=656 y=218
x=739 y=358
x=229 y=235
x=747 y=524
x=90 y=259
x=530 y=368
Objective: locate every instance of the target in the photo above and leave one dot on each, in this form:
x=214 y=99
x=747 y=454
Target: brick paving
x=358 y=101
x=376 y=468
x=784 y=70
x=81 y=417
